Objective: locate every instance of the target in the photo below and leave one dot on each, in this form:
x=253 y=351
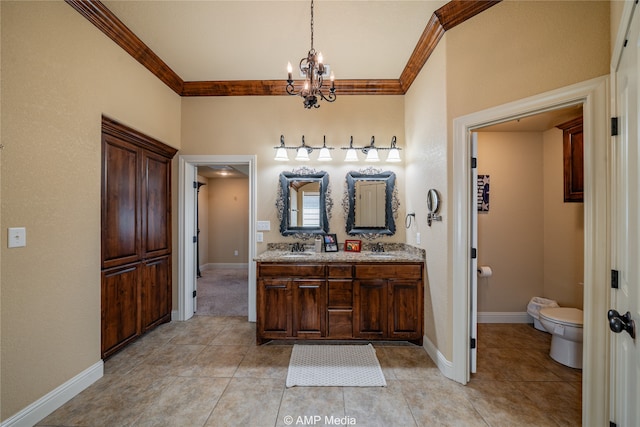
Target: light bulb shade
x=281 y=155
x=372 y=155
x=351 y=156
x=394 y=155
x=325 y=155
x=303 y=155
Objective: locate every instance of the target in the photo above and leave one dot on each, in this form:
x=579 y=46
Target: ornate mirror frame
x=392 y=203
x=282 y=202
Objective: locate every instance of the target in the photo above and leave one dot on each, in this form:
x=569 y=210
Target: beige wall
x=510 y=235
x=228 y=220
x=253 y=125
x=563 y=230
x=531 y=238
x=59 y=76
x=513 y=50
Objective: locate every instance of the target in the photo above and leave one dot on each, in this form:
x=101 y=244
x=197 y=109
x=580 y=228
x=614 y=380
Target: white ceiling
x=254 y=40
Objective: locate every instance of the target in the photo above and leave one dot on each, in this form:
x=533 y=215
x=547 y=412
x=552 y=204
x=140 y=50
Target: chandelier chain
x=312 y=25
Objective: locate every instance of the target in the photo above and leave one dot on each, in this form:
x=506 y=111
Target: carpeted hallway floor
x=223 y=292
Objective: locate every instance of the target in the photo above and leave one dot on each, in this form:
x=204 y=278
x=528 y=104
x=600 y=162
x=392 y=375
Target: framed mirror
x=433 y=201
x=371 y=203
x=304 y=203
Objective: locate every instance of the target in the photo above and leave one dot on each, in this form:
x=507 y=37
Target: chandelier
x=313 y=70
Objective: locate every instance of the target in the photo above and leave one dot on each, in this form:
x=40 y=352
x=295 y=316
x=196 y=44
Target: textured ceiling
x=253 y=40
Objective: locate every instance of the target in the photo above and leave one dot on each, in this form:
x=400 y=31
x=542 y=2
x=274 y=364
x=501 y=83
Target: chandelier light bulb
x=289 y=70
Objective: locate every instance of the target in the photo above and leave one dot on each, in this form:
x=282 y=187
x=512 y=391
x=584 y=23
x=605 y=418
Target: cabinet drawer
x=340 y=293
x=340 y=270
x=388 y=271
x=291 y=270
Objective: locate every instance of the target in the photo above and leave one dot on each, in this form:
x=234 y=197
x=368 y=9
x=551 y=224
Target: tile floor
x=209 y=372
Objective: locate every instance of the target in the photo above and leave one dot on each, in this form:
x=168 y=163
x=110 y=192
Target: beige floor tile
x=215 y=361
x=183 y=402
x=311 y=405
x=440 y=402
x=248 y=402
x=266 y=361
x=501 y=404
x=378 y=406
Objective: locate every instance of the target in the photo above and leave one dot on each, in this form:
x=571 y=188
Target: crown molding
x=448 y=16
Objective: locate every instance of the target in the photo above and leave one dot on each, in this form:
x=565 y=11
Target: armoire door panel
x=156 y=205
x=120 y=318
x=155 y=292
x=120 y=195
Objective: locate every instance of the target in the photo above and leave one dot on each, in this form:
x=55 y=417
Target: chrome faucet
x=377 y=247
x=297 y=247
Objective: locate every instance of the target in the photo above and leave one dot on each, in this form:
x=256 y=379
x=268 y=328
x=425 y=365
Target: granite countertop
x=397 y=252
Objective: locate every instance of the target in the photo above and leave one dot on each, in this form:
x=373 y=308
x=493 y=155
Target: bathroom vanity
x=340 y=296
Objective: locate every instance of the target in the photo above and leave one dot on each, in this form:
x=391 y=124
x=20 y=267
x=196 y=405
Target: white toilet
x=565 y=326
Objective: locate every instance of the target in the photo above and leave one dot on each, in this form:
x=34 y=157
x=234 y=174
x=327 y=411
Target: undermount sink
x=297 y=254
x=380 y=255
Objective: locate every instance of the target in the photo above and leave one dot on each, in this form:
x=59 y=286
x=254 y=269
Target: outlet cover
x=17 y=237
x=263 y=225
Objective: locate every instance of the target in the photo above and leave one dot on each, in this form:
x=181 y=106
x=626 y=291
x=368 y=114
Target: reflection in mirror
x=371 y=203
x=304 y=202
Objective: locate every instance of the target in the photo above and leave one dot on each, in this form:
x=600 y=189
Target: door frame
x=594 y=97
x=185 y=237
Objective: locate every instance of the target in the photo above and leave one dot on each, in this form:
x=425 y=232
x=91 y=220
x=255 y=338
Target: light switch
x=259 y=237
x=263 y=225
x=17 y=237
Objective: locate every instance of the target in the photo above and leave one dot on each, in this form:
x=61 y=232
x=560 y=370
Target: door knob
x=618 y=323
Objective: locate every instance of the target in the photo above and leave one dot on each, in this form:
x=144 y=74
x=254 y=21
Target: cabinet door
x=120 y=206
x=155 y=296
x=274 y=314
x=370 y=308
x=309 y=308
x=120 y=319
x=405 y=303
x=156 y=205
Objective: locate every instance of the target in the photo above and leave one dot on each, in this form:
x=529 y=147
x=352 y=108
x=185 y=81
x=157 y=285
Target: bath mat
x=335 y=365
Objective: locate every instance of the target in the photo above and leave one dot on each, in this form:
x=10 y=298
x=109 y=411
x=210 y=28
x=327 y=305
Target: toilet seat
x=565 y=316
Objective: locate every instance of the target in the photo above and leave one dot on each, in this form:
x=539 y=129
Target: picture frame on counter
x=330 y=243
x=352 y=245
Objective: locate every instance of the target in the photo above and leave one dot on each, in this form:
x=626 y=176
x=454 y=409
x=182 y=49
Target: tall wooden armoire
x=136 y=234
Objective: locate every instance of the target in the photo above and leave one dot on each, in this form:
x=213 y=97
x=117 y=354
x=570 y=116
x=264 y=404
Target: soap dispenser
x=318 y=244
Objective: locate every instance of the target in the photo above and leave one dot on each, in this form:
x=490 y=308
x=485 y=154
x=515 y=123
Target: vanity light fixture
x=372 y=151
x=313 y=70
x=302 y=151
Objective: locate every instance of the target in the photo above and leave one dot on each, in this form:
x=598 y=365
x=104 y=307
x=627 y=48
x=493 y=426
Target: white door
x=190 y=235
x=625 y=351
x=473 y=280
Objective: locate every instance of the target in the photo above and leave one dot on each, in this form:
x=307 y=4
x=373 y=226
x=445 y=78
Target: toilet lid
x=563 y=315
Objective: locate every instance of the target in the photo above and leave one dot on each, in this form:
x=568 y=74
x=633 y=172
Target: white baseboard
x=212 y=265
x=504 y=317
x=44 y=406
x=445 y=366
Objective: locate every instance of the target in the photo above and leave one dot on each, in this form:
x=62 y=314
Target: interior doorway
x=222 y=240
x=187 y=227
x=593 y=97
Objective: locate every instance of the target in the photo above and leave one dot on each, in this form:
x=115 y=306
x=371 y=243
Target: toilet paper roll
x=485 y=271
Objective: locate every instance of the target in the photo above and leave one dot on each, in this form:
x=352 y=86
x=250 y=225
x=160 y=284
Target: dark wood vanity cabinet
x=291 y=301
x=378 y=301
x=136 y=235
